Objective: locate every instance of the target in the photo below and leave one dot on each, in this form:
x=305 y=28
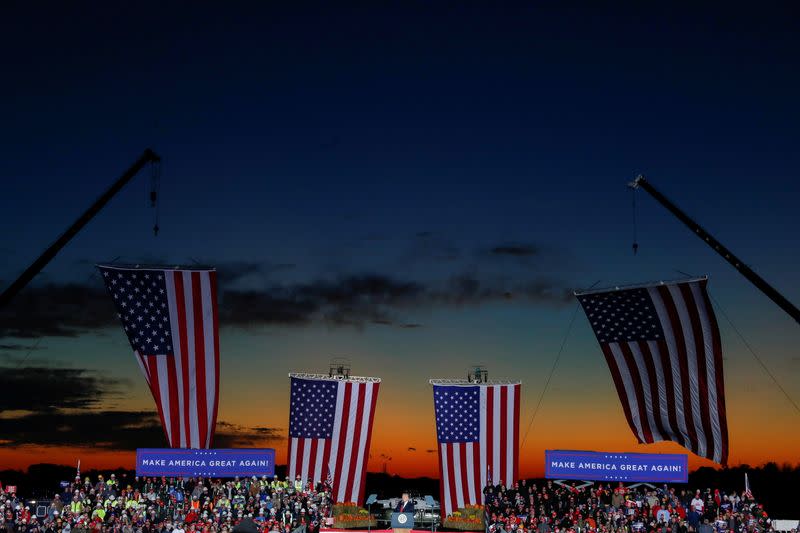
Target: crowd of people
x=202 y=505
x=553 y=508
x=175 y=505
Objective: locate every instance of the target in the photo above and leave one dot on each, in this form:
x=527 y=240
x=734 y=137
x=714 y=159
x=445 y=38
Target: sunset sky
x=434 y=179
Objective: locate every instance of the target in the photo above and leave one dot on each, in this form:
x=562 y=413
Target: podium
x=402 y=522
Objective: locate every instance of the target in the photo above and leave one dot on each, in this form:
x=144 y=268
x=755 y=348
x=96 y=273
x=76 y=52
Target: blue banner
x=608 y=466
x=214 y=463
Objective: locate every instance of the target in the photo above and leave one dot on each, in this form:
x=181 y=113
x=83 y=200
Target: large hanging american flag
x=330 y=428
x=662 y=345
x=170 y=318
x=477 y=428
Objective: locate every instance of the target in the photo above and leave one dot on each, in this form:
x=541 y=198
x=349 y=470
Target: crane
x=147 y=157
x=761 y=284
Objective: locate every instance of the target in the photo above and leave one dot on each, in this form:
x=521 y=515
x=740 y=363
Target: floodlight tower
x=477 y=373
x=339 y=368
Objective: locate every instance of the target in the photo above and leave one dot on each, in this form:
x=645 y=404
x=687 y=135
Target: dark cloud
x=516 y=250
x=57 y=310
x=469 y=290
x=359 y=300
x=356 y=300
x=430 y=451
x=412 y=449
x=114 y=430
x=237 y=270
x=59 y=407
x=40 y=388
x=349 y=301
x=232 y=272
x=19 y=347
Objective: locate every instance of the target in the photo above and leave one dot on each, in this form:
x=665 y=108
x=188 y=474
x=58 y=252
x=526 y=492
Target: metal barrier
x=785 y=525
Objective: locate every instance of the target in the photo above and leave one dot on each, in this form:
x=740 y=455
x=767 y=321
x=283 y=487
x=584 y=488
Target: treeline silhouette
x=775 y=486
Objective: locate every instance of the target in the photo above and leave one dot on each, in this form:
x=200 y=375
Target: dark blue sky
x=287 y=125
x=419 y=142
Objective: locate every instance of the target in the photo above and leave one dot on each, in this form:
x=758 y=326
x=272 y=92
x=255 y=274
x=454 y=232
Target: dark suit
x=409 y=508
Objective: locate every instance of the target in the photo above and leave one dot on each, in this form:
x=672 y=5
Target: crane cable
x=753 y=353
x=633 y=210
x=155 y=188
x=553 y=369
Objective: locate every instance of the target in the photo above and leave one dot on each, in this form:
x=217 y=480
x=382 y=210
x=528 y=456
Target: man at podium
x=405 y=505
x=403 y=515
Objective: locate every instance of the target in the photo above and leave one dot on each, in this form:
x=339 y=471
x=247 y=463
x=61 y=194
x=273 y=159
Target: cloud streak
x=246 y=299
x=39 y=388
x=112 y=430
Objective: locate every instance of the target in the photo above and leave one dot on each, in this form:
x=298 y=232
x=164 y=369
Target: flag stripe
x=488 y=428
x=468 y=465
x=676 y=333
x=448 y=489
x=365 y=453
x=517 y=408
x=317 y=455
x=689 y=306
x=483 y=410
x=200 y=365
x=675 y=369
x=214 y=332
x=691 y=366
x=209 y=368
x=479 y=471
x=340 y=463
x=175 y=414
x=191 y=358
x=632 y=374
x=622 y=391
x=647 y=371
x=460 y=460
x=142 y=366
x=183 y=361
x=360 y=441
x=497 y=405
x=719 y=382
x=509 y=433
x=652 y=354
x=630 y=392
x=156 y=391
x=453 y=488
x=344 y=475
x=334 y=463
x=502 y=449
x=326 y=460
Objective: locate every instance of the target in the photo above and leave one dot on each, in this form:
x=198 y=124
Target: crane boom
x=760 y=283
x=148 y=156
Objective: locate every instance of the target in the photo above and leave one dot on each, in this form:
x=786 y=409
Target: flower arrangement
x=469 y=518
x=349 y=515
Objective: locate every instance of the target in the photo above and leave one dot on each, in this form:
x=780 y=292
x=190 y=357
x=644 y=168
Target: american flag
x=662 y=345
x=170 y=318
x=330 y=427
x=747 y=492
x=477 y=427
